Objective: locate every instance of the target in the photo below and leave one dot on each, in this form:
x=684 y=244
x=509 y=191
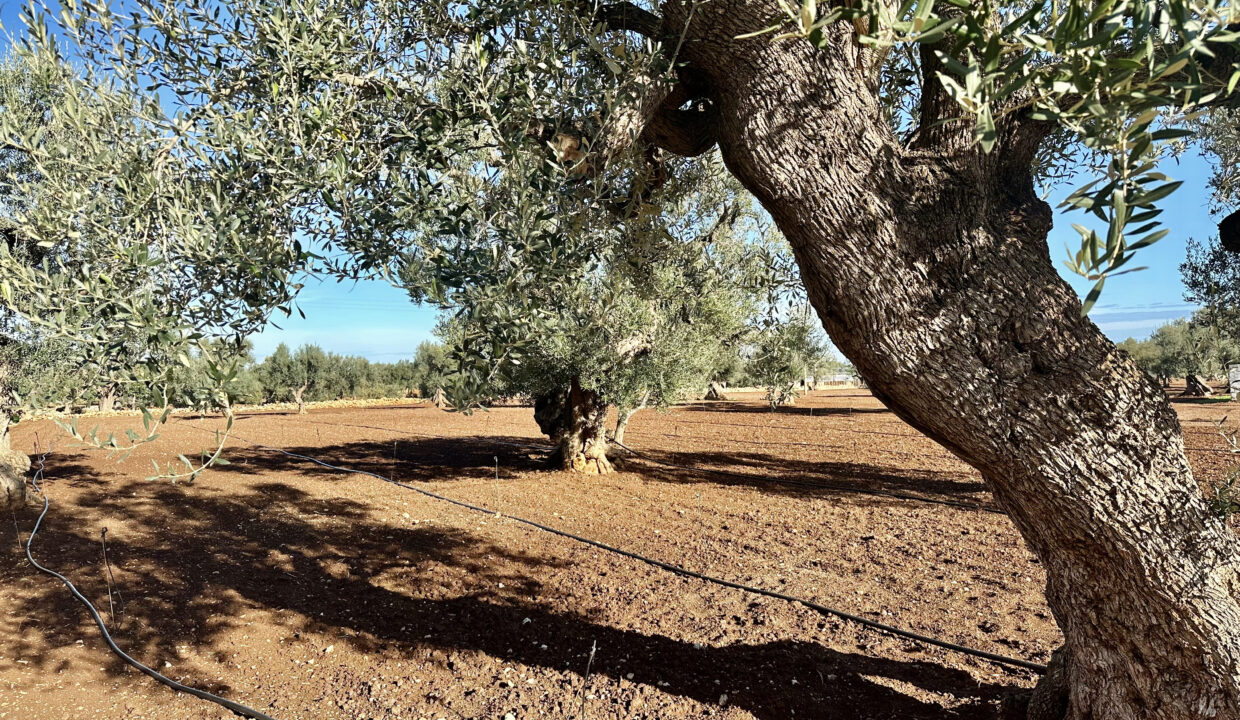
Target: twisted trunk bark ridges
x=575 y=420
x=931 y=272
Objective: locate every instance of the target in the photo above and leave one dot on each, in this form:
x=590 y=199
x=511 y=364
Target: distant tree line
x=307 y=374
x=1209 y=341
x=1185 y=347
x=777 y=358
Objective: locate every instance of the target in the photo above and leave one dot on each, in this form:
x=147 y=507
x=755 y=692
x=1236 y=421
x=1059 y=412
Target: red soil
x=307 y=593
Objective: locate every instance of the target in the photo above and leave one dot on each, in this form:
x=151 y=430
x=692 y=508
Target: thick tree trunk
x=714 y=391
x=107 y=399
x=298 y=394
x=575 y=419
x=930 y=270
x=13 y=469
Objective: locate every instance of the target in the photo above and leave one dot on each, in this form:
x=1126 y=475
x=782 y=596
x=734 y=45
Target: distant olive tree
x=785 y=354
x=642 y=321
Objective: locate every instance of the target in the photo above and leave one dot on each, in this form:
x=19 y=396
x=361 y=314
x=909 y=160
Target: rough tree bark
x=298 y=394
x=930 y=270
x=107 y=399
x=13 y=469
x=575 y=420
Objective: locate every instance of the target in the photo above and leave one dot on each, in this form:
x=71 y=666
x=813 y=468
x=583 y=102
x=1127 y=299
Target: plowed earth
x=308 y=593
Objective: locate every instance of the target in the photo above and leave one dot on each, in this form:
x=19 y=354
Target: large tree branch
x=626 y=16
x=685 y=131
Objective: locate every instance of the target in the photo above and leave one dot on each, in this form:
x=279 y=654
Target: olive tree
x=640 y=322
x=897 y=145
x=783 y=355
x=34 y=90
x=289 y=376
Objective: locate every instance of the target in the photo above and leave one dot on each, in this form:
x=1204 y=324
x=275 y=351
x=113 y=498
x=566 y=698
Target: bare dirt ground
x=308 y=593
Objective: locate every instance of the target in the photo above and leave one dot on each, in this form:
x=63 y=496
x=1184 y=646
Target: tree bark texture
x=930 y=270
x=575 y=420
x=13 y=469
x=298 y=394
x=107 y=400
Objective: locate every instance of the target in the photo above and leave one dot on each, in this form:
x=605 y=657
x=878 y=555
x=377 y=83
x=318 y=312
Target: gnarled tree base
x=1197 y=387
x=13 y=469
x=574 y=418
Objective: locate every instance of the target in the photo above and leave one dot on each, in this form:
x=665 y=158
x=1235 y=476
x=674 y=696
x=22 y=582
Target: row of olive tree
x=45 y=381
x=1208 y=342
x=310 y=374
x=1185 y=347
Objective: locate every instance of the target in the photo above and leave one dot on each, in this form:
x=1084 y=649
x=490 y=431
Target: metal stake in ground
x=103 y=539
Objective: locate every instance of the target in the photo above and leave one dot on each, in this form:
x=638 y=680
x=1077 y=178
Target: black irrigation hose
x=237 y=708
x=677 y=570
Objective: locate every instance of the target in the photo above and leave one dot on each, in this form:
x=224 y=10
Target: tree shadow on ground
x=815 y=479
x=439 y=460
x=404 y=459
x=205 y=556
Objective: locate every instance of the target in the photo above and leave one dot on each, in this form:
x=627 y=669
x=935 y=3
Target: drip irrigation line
x=676 y=569
x=235 y=707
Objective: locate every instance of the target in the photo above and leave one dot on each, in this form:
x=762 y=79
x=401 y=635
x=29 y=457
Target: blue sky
x=1134 y=305
x=379 y=322
x=368 y=318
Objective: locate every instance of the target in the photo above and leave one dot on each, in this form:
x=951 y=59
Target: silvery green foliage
x=36 y=369
x=1219 y=136
x=263 y=140
x=1185 y=347
x=785 y=353
x=643 y=321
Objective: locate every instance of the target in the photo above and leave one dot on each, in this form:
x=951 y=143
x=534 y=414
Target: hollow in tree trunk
x=575 y=420
x=13 y=469
x=928 y=263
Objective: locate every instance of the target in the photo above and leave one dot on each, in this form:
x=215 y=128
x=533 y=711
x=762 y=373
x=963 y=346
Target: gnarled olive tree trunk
x=575 y=420
x=107 y=399
x=13 y=469
x=930 y=269
x=299 y=394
